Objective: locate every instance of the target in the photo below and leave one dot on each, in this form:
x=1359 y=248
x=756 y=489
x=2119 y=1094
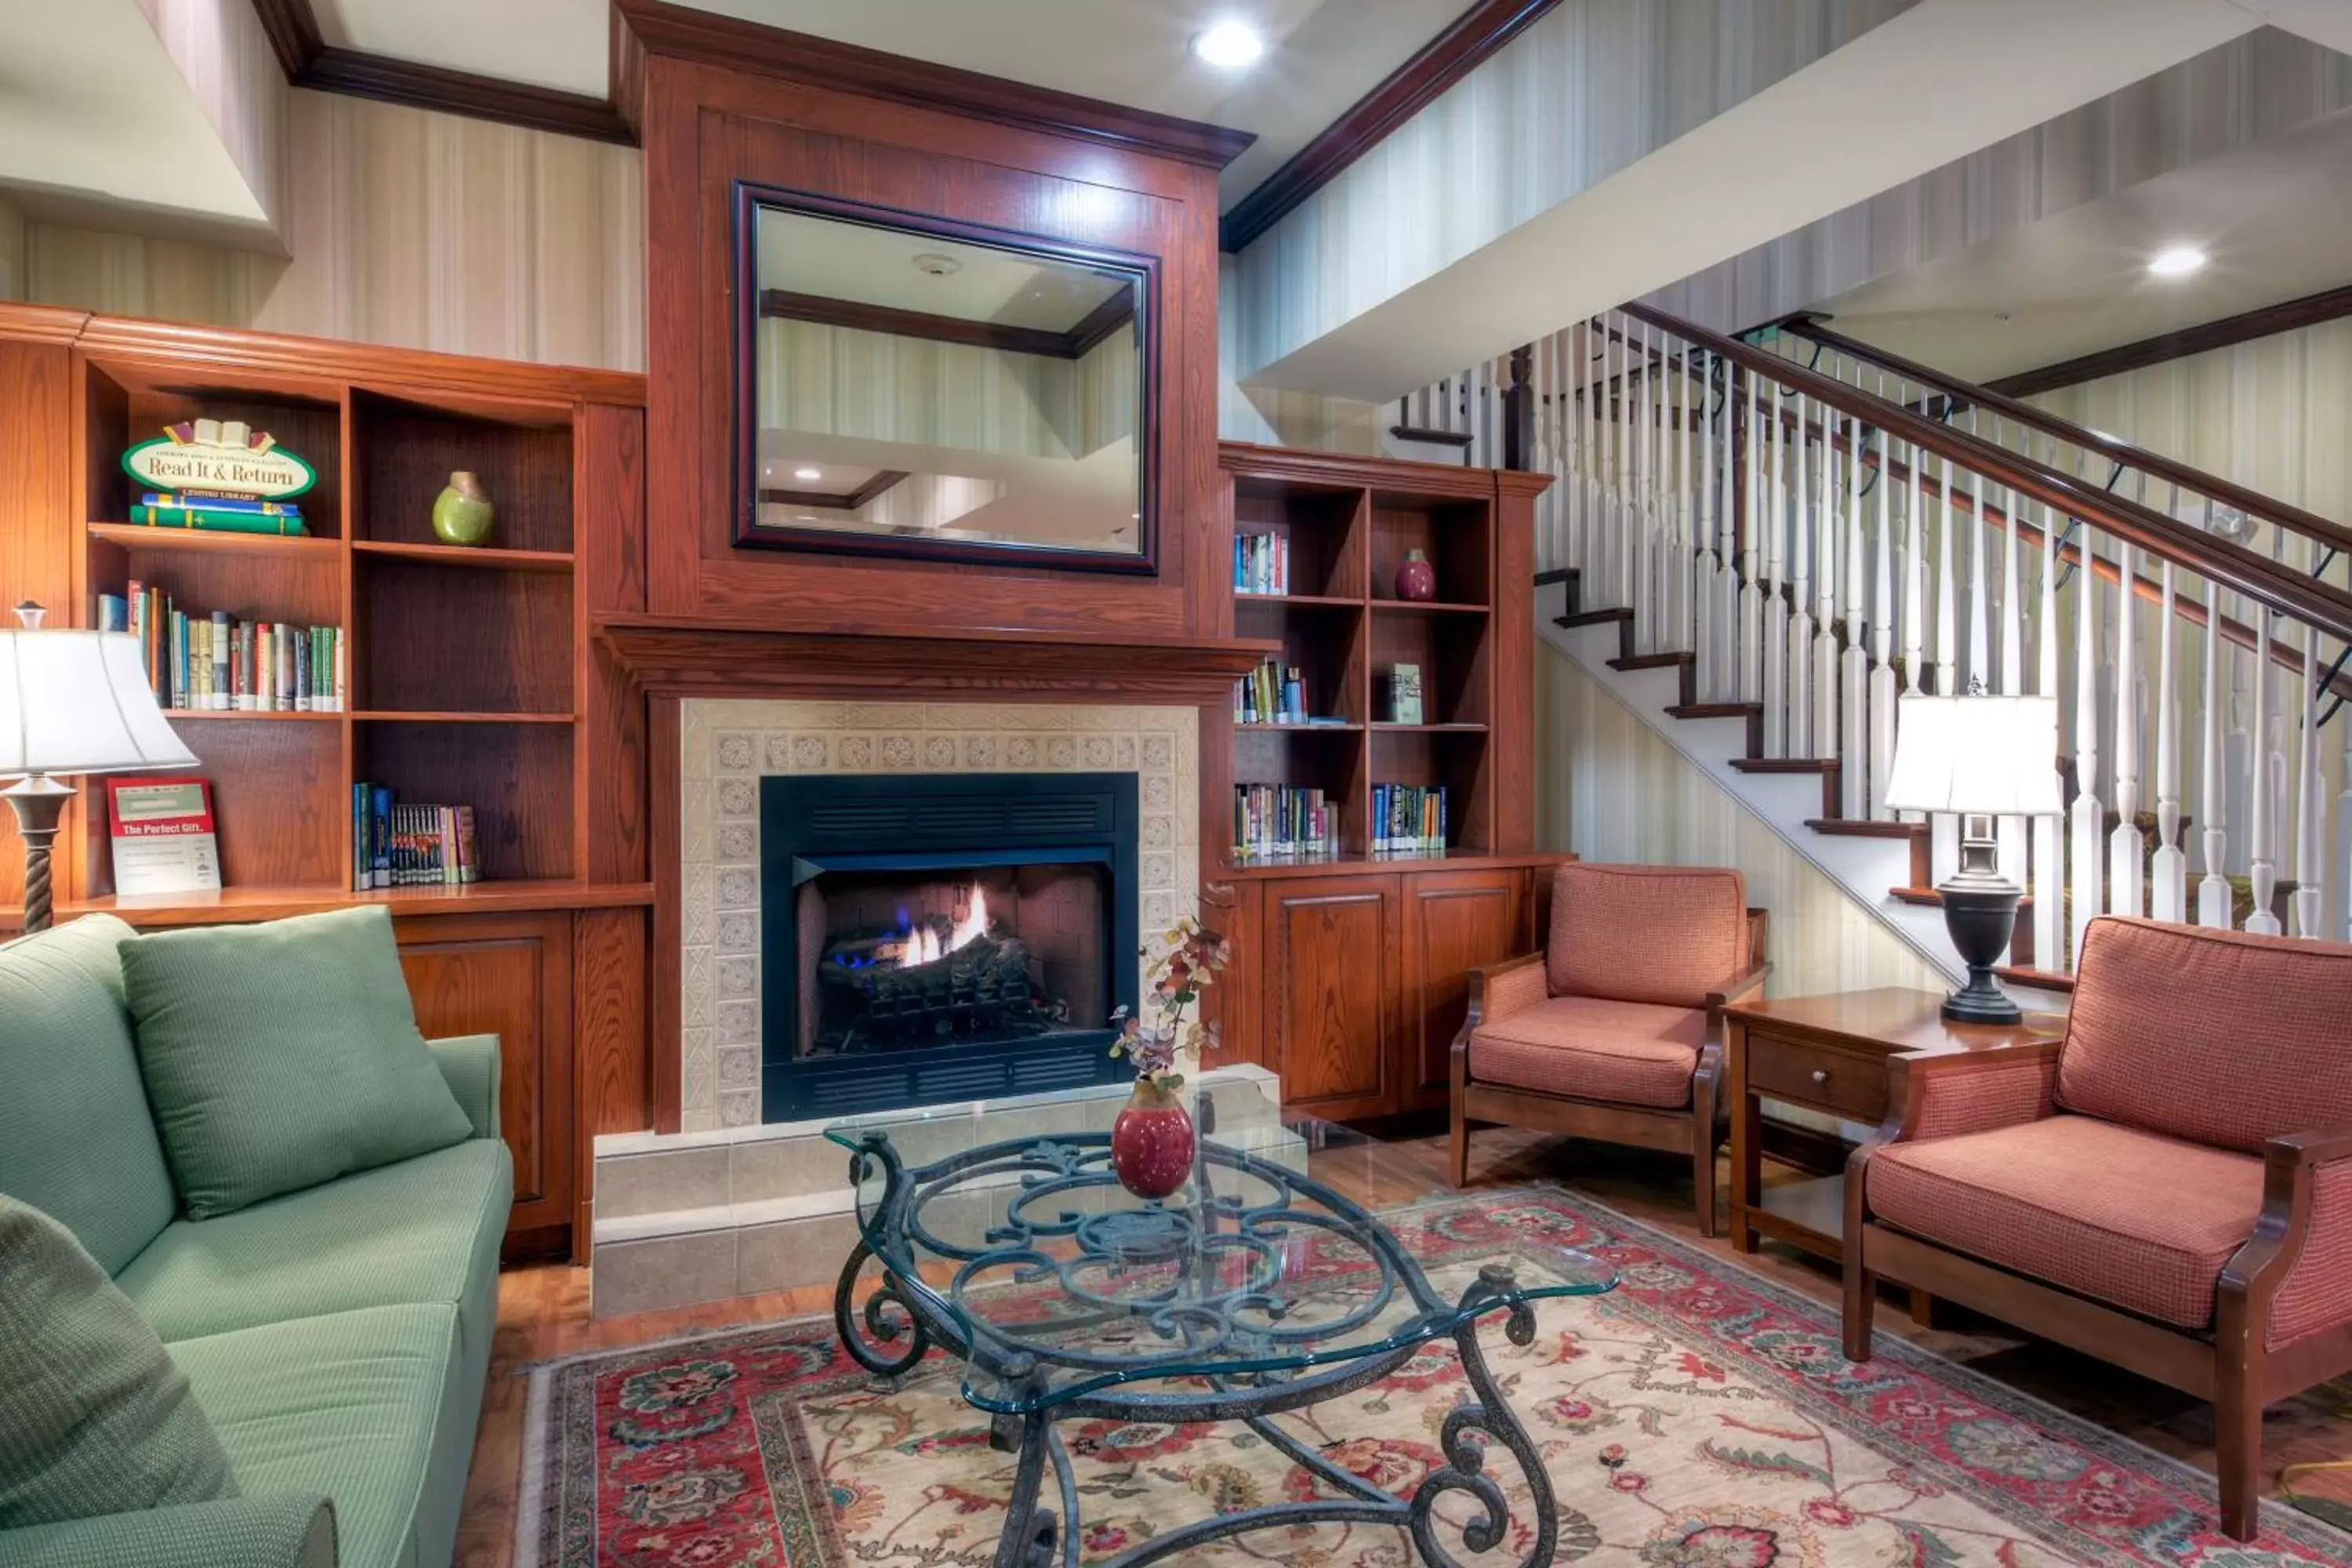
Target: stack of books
x=212 y=663
x=1261 y=563
x=217 y=511
x=399 y=845
x=1280 y=822
x=1270 y=695
x=1408 y=819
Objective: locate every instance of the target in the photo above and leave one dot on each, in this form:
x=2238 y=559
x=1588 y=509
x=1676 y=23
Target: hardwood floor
x=544 y=1312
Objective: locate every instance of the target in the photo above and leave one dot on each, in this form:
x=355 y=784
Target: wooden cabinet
x=1350 y=981
x=1455 y=922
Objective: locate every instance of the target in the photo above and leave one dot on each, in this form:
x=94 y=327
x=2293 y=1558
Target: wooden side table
x=1831 y=1054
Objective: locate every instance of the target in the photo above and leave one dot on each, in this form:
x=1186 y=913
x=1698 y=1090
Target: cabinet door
x=1334 y=992
x=1235 y=909
x=1455 y=922
x=509 y=975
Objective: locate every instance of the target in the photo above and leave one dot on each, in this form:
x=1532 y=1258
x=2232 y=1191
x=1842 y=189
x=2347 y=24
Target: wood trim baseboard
x=1466 y=44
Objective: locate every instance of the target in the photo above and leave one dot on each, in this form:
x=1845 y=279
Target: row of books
x=1270 y=694
x=1408 y=819
x=217 y=512
x=397 y=845
x=1261 y=563
x=1275 y=822
x=213 y=662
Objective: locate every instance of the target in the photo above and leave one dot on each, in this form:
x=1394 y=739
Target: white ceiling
x=2276 y=220
x=1323 y=55
x=807 y=254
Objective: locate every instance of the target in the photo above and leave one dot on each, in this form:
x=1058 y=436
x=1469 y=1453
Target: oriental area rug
x=1698 y=1416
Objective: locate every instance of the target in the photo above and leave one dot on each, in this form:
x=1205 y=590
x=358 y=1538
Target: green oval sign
x=171 y=463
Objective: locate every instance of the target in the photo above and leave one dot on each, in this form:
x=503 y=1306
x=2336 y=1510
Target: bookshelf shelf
x=1342 y=728
x=232 y=905
x=389 y=715
x=1299 y=601
x=1426 y=607
x=135 y=536
x=216 y=715
x=1430 y=729
x=477 y=558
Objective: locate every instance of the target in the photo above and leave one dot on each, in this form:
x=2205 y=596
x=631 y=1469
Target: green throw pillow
x=281 y=1056
x=98 y=1419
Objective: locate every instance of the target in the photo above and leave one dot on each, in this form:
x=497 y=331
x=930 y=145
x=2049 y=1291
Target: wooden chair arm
x=2257 y=1271
x=1915 y=1108
x=1733 y=990
x=2301 y=1150
x=1481 y=1009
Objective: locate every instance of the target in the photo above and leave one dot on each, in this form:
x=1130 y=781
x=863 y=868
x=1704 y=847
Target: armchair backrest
x=1667 y=934
x=2213 y=1036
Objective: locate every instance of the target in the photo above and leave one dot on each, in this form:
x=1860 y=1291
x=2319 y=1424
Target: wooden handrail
x=2114 y=449
x=2242 y=570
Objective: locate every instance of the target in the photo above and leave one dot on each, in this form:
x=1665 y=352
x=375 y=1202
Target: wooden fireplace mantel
x=679 y=658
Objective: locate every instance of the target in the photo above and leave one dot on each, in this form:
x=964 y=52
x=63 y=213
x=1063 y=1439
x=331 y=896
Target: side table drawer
x=1851 y=1085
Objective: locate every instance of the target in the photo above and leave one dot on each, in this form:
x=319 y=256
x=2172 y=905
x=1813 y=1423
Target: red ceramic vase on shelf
x=1416 y=579
x=1152 y=1142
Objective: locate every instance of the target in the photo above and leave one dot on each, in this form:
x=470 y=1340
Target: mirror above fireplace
x=913 y=385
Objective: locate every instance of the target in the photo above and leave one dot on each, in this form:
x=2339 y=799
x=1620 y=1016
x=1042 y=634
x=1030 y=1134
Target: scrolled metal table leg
x=1466 y=1458
x=1030 y=1531
x=877 y=1324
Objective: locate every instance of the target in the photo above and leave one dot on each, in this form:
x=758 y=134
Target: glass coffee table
x=1259 y=1288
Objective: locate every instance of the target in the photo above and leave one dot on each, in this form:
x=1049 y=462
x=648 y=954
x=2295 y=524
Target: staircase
x=1761 y=545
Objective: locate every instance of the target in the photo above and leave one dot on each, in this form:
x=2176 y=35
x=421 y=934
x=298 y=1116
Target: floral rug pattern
x=1699 y=1416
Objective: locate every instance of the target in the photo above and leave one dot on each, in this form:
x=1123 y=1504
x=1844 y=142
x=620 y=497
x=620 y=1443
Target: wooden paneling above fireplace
x=720 y=104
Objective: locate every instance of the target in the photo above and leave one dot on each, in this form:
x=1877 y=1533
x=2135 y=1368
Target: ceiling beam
x=309 y=61
x=1465 y=43
x=2290 y=315
x=828 y=311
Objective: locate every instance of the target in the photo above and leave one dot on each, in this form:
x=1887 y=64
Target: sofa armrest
x=284 y=1530
x=1972 y=1091
x=1499 y=989
x=470 y=1063
x=2300 y=1258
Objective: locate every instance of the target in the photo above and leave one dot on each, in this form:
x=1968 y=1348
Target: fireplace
x=942 y=937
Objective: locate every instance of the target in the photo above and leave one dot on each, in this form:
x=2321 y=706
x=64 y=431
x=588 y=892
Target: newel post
x=1519 y=410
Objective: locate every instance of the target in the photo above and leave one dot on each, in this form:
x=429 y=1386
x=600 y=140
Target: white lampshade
x=1992 y=755
x=79 y=703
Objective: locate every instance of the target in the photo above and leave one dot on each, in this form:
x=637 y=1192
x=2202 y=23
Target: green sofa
x=338 y=1338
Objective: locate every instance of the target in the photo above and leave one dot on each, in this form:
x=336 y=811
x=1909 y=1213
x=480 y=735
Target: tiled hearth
x=726 y=746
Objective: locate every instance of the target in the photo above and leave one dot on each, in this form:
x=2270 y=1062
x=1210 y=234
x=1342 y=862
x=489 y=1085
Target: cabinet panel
x=1333 y=993
x=509 y=975
x=1236 y=910
x=1455 y=922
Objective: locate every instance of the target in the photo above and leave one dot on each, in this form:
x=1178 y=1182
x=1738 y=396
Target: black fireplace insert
x=930 y=938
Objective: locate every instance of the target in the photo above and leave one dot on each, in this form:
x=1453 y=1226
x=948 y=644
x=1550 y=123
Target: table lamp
x=70 y=702
x=1983 y=757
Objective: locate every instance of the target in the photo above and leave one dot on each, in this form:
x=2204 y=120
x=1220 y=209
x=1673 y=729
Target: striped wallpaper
x=403 y=226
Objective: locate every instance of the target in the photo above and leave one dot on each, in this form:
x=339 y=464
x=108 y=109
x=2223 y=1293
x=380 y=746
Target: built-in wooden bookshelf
x=1347 y=525
x=464 y=666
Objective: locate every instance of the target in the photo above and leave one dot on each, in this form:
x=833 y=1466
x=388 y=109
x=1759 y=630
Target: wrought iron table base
x=1034 y=1536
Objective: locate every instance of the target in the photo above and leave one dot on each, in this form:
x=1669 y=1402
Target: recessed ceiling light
x=2176 y=261
x=937 y=265
x=808 y=473
x=1229 y=45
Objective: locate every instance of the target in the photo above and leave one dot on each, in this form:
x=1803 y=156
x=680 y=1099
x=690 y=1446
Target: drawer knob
x=1820 y=1075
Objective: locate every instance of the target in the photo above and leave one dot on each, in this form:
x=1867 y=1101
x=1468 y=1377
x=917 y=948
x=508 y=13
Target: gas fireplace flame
x=924 y=945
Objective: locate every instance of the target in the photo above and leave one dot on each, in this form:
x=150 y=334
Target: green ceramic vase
x=462 y=512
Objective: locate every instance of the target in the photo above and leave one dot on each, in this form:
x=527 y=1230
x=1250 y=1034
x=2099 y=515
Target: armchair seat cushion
x=2131 y=1218
x=1630 y=1053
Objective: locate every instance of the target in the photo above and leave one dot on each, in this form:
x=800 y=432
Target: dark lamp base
x=1981 y=913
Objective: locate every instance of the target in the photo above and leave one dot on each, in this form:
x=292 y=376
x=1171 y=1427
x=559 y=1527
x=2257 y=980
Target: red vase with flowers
x=1152 y=1143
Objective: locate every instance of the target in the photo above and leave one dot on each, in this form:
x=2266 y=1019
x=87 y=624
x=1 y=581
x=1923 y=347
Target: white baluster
x=1628 y=512
x=2049 y=842
x=1915 y=575
x=1853 y=672
x=2009 y=677
x=2167 y=889
x=2126 y=844
x=1824 y=656
x=2213 y=888
x=2308 y=852
x=1776 y=603
x=2260 y=832
x=1639 y=385
x=1685 y=561
x=1751 y=557
x=1707 y=632
x=2089 y=828
x=1882 y=633
x=1942 y=827
x=1980 y=671
x=1728 y=672
x=1801 y=588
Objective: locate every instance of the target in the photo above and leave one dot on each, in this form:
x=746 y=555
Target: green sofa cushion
x=98 y=1420
x=422 y=1231
x=288 y=1530
x=370 y=1408
x=280 y=1056
x=76 y=1140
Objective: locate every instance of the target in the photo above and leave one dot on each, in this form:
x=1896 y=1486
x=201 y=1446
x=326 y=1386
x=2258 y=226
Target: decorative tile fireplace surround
x=728 y=746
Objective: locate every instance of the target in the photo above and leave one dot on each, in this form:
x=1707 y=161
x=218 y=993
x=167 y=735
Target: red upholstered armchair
x=2169 y=1188
x=1615 y=1030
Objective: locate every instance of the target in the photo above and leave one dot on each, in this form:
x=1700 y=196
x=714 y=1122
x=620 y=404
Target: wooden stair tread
x=1786 y=765
x=1715 y=710
x=1867 y=828
x=1593 y=617
x=1551 y=574
x=1654 y=662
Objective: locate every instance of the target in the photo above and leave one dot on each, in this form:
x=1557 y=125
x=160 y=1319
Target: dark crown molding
x=827 y=312
x=309 y=61
x=650 y=27
x=2288 y=316
x=1446 y=59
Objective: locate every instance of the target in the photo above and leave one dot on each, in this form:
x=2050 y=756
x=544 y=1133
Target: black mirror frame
x=750 y=198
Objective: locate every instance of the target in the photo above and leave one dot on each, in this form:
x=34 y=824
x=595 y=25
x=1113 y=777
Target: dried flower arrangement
x=1183 y=962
